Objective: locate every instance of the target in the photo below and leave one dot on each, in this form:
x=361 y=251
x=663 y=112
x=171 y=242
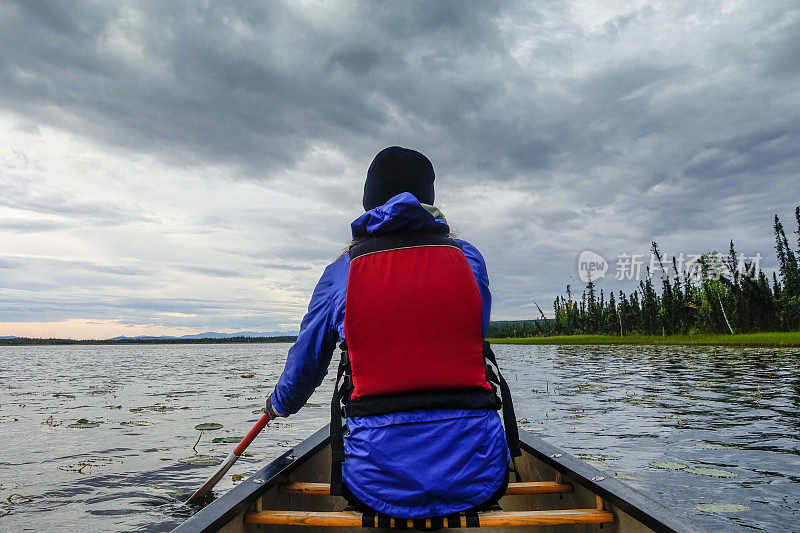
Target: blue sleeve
x=478 y=266
x=309 y=357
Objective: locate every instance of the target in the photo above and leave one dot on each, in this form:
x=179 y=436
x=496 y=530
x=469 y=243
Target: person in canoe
x=409 y=306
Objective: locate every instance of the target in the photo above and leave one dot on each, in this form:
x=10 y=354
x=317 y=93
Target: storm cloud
x=215 y=151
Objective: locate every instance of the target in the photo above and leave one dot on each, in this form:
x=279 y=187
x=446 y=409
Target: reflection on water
x=99 y=436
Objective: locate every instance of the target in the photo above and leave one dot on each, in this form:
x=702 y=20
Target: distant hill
x=215 y=335
x=211 y=335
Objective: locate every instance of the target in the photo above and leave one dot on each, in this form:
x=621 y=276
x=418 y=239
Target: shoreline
x=26 y=341
x=782 y=339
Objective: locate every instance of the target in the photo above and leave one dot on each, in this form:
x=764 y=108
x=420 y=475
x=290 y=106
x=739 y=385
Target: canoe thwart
x=486 y=519
x=538 y=487
x=532 y=487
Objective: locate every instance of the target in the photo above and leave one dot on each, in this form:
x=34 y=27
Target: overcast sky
x=177 y=167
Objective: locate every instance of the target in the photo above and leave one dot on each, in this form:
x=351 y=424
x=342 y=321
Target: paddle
x=228 y=462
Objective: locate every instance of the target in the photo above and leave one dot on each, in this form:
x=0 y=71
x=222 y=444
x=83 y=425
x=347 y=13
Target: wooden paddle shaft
x=262 y=422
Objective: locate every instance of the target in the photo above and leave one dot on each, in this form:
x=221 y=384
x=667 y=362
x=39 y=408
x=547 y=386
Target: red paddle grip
x=262 y=422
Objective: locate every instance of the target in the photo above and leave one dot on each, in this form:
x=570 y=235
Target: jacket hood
x=403 y=211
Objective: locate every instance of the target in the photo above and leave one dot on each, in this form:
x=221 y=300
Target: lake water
x=690 y=427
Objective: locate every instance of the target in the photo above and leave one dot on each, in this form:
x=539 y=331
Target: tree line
x=723 y=295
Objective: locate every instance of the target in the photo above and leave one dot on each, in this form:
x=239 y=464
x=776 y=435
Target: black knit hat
x=395 y=170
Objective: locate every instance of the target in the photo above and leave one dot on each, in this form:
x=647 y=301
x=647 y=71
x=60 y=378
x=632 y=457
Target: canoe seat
x=531 y=487
x=470 y=519
x=486 y=519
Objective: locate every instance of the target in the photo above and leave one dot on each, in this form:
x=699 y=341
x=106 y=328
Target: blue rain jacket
x=407 y=465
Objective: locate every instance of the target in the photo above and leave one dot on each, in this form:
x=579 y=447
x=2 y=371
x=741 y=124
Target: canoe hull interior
x=310 y=462
x=317 y=468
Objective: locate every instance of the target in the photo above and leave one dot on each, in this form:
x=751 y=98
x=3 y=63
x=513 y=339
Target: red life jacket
x=413 y=317
x=413 y=336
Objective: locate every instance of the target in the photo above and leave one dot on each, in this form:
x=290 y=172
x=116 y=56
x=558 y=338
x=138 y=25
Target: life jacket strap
x=509 y=418
x=337 y=432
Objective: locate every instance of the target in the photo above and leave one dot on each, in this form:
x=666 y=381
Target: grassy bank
x=790 y=338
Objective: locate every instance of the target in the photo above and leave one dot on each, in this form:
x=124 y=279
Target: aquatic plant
x=207 y=426
x=668 y=465
x=227 y=440
x=712 y=472
x=84 y=423
x=201 y=460
x=721 y=507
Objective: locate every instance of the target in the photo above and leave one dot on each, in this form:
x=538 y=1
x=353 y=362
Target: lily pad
x=84 y=423
x=712 y=472
x=721 y=507
x=154 y=408
x=600 y=465
x=668 y=465
x=161 y=408
x=227 y=440
x=596 y=457
x=208 y=426
x=597 y=460
x=248 y=375
x=201 y=460
x=63 y=395
x=627 y=477
x=138 y=423
x=175 y=492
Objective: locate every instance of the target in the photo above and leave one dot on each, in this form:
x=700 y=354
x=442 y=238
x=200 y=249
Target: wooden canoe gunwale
x=239 y=499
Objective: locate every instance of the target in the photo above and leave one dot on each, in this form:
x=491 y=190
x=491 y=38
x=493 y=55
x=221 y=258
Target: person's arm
x=309 y=357
x=478 y=266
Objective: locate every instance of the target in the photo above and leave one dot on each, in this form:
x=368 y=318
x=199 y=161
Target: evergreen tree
x=650 y=306
x=611 y=319
x=727 y=295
